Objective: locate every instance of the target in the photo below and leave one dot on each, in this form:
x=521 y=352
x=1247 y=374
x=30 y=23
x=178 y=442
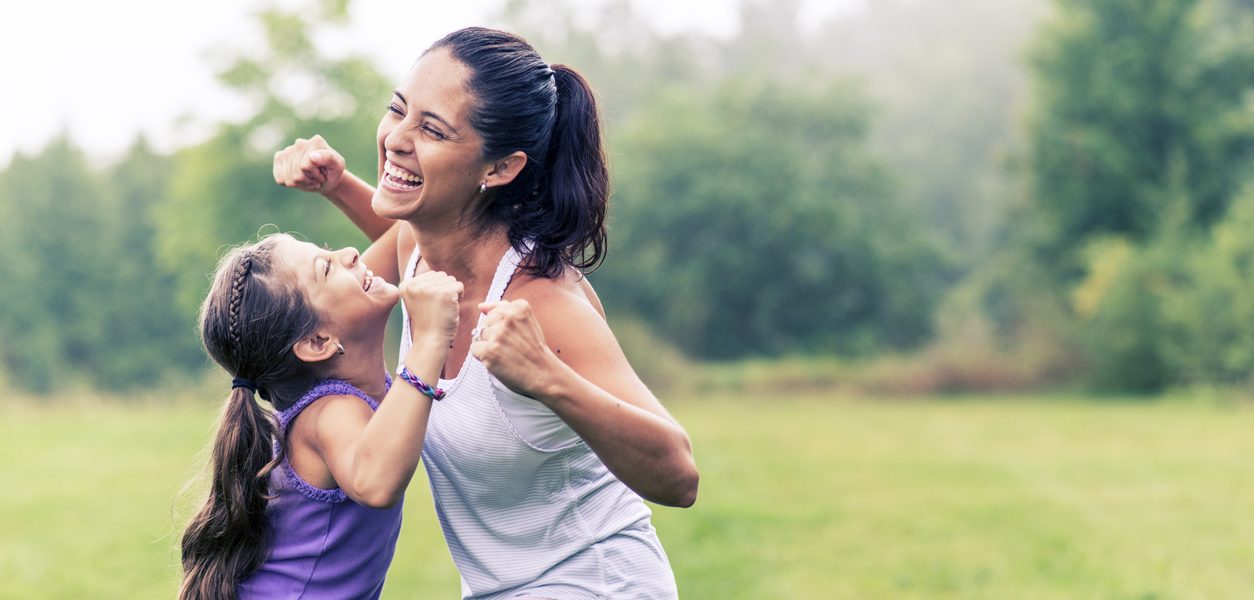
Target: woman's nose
x=398 y=139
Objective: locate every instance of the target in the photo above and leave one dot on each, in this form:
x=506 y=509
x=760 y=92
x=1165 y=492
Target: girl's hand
x=511 y=345
x=309 y=164
x=431 y=299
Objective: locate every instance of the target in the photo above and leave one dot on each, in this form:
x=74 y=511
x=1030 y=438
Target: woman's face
x=348 y=298
x=431 y=159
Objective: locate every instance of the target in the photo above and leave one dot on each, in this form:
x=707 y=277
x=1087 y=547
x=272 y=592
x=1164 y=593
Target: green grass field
x=811 y=497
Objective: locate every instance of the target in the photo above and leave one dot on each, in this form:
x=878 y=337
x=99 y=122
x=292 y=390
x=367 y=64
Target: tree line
x=1077 y=168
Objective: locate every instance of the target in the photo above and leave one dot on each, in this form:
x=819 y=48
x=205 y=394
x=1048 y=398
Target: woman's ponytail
x=574 y=185
x=226 y=541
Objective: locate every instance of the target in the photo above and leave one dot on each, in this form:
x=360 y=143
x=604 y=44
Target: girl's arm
x=554 y=346
x=373 y=457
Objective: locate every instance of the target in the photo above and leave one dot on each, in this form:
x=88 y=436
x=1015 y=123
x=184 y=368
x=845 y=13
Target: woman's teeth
x=400 y=177
x=365 y=285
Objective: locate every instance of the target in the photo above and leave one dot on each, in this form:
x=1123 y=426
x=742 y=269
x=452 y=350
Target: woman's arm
x=373 y=457
x=554 y=346
x=353 y=197
x=314 y=166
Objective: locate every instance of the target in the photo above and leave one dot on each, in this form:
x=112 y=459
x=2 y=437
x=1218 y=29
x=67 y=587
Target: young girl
x=305 y=498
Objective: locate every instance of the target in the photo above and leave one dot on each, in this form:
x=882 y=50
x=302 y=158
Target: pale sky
x=106 y=70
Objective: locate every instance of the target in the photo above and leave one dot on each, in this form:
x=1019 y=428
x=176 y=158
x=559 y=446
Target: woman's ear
x=316 y=348
x=506 y=169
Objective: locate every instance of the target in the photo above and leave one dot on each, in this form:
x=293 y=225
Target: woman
x=491 y=169
x=309 y=507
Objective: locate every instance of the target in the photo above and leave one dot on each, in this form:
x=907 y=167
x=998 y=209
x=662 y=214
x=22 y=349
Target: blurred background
x=953 y=297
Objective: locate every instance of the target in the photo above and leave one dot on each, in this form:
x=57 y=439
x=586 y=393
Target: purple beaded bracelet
x=417 y=382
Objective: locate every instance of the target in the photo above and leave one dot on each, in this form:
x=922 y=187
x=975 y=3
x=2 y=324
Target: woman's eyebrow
x=425 y=113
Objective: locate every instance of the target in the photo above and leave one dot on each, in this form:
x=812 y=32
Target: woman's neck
x=464 y=253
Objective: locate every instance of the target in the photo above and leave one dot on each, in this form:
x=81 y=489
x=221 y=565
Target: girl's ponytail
x=249 y=323
x=226 y=541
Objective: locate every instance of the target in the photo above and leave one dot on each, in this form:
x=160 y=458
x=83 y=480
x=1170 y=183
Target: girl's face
x=430 y=158
x=350 y=301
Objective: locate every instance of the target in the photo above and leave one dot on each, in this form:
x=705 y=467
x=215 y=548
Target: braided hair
x=236 y=294
x=250 y=322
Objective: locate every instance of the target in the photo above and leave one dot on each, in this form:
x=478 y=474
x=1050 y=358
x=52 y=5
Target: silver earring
x=483 y=186
x=341 y=349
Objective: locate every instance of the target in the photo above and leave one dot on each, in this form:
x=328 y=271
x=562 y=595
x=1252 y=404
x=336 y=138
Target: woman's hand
x=579 y=372
x=511 y=345
x=432 y=299
x=309 y=164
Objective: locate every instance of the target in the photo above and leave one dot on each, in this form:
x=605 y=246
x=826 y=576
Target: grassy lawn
x=807 y=497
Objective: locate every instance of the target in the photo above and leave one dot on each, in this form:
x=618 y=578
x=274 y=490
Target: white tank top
x=533 y=512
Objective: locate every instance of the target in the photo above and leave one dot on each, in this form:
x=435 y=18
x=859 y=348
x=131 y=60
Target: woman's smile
x=400 y=179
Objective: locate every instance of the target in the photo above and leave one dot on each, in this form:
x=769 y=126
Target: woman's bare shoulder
x=570 y=290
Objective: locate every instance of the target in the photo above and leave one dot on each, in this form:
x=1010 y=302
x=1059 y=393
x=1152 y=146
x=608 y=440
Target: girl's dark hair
x=250 y=321
x=558 y=201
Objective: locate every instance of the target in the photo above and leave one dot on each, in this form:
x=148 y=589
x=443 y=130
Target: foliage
x=1140 y=104
x=1141 y=137
x=1210 y=317
x=84 y=303
x=1174 y=311
x=783 y=237
x=1123 y=294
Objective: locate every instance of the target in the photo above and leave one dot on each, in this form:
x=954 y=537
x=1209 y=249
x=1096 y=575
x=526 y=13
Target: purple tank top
x=322 y=544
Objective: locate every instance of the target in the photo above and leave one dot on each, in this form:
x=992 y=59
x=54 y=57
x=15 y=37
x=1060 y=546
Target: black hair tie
x=241 y=382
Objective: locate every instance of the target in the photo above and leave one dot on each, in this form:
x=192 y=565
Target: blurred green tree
x=1142 y=137
x=750 y=219
x=83 y=299
x=1140 y=104
x=51 y=224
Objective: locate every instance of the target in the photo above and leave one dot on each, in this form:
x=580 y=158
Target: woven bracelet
x=417 y=382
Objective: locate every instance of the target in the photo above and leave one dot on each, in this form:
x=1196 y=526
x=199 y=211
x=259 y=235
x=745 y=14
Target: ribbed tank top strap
x=410 y=267
x=504 y=273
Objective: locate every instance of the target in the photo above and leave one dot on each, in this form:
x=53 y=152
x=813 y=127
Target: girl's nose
x=349 y=256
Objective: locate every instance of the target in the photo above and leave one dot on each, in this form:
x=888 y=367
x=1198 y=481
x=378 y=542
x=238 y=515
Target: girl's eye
x=327 y=271
x=394 y=109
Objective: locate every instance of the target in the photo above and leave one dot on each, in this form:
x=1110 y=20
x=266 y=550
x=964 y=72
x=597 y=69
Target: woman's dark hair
x=558 y=201
x=249 y=323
